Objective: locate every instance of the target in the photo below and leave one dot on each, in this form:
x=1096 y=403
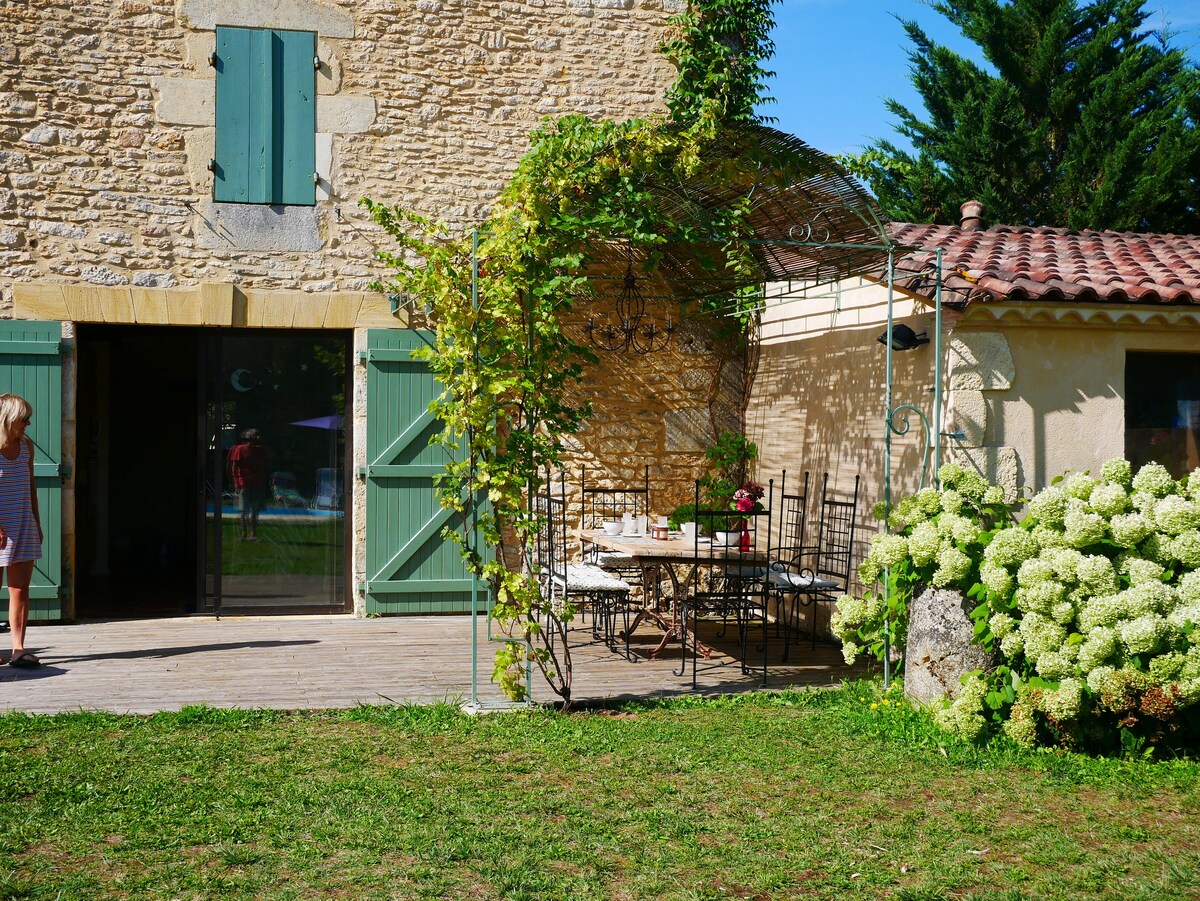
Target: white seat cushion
x=797 y=582
x=614 y=560
x=587 y=577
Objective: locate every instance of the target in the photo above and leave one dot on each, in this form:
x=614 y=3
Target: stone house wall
x=106 y=130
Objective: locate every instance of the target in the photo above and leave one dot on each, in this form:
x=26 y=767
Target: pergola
x=806 y=220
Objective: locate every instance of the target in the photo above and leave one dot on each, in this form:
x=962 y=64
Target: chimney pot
x=972 y=216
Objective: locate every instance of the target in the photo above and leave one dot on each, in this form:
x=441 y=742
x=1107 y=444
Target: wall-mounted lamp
x=903 y=337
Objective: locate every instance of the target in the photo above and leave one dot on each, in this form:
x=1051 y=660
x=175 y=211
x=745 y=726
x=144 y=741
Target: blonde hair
x=13 y=409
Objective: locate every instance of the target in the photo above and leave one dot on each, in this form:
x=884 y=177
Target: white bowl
x=729 y=539
x=613 y=528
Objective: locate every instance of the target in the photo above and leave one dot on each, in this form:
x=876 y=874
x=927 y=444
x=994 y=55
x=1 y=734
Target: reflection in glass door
x=274 y=492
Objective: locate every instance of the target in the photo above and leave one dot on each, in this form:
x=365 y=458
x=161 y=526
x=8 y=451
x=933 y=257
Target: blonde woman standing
x=20 y=520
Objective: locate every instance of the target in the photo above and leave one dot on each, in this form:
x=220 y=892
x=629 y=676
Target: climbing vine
x=498 y=299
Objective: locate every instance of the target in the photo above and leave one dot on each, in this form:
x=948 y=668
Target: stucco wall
x=1065 y=408
x=818 y=401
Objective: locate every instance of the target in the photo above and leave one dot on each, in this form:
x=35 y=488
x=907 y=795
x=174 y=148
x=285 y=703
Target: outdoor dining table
x=678 y=557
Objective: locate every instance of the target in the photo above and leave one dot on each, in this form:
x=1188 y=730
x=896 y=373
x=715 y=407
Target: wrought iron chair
x=566 y=585
x=730 y=581
x=820 y=572
x=791 y=553
x=602 y=505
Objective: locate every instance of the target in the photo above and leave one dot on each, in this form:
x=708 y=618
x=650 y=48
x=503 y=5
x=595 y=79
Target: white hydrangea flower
x=1097 y=649
x=950 y=473
x=849 y=652
x=1083 y=528
x=1095 y=573
x=1189 y=586
x=1185 y=548
x=1055 y=665
x=952 y=501
x=1034 y=571
x=1065 y=562
x=1143 y=635
x=1048 y=536
x=869 y=571
x=1176 y=515
x=1167 y=668
x=1063 y=702
x=1098 y=679
x=928 y=501
x=1155 y=547
x=1154 y=479
x=889 y=550
x=965 y=714
x=1010 y=547
x=996 y=578
x=1129 y=528
x=1185 y=616
x=924 y=543
x=1049 y=506
x=1040 y=597
x=1149 y=598
x=1191 y=485
x=1012 y=644
x=1117 y=471
x=993 y=495
x=1079 y=485
x=1042 y=635
x=849 y=611
x=1102 y=611
x=1143 y=501
x=953 y=566
x=1021 y=726
x=1189 y=690
x=971 y=485
x=957 y=528
x=1002 y=625
x=1139 y=570
x=1109 y=500
x=1063 y=612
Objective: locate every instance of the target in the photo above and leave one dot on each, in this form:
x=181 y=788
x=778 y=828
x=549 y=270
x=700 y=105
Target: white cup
x=643 y=524
x=627 y=522
x=689 y=530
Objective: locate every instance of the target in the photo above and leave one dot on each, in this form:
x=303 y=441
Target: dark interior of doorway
x=138 y=471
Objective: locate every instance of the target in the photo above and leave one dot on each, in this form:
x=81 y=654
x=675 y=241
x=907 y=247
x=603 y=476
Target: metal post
x=937 y=372
x=474 y=505
x=887 y=467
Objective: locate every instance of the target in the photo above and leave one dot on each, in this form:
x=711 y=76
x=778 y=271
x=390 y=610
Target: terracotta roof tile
x=1053 y=265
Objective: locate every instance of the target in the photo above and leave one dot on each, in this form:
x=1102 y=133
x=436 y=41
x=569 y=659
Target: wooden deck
x=291 y=662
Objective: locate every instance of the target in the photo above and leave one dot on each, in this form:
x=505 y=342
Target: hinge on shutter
x=316 y=178
x=212 y=59
x=316 y=62
x=212 y=165
x=362 y=472
x=362 y=357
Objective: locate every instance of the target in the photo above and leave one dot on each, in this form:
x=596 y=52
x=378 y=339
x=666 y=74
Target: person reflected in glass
x=248 y=475
x=20 y=519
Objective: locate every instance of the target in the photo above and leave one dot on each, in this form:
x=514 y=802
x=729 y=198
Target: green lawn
x=811 y=795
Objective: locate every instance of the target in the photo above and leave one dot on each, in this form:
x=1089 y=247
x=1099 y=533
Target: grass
x=795 y=795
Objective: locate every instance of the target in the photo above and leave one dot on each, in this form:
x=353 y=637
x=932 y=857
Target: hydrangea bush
x=1091 y=602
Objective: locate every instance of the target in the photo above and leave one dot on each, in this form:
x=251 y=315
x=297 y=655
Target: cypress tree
x=1088 y=121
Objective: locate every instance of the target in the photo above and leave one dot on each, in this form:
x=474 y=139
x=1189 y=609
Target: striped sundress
x=16 y=510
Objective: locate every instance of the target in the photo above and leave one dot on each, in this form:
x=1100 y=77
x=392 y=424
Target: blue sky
x=837 y=60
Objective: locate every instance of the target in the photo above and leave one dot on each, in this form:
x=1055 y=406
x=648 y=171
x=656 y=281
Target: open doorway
x=167 y=522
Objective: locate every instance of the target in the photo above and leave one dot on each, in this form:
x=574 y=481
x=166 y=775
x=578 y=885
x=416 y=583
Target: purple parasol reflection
x=334 y=421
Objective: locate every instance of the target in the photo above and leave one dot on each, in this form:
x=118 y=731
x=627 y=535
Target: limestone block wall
x=106 y=129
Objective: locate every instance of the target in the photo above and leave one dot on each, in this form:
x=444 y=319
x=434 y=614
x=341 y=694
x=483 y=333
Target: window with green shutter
x=266 y=116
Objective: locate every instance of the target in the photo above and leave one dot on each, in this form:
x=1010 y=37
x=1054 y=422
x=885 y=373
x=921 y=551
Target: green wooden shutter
x=266 y=115
x=31 y=366
x=410 y=567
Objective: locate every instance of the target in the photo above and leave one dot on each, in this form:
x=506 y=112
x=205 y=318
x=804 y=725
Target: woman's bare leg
x=19 y=575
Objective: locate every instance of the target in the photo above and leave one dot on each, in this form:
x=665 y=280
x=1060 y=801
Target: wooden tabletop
x=676 y=548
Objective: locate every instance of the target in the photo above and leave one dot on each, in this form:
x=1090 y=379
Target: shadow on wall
x=818 y=405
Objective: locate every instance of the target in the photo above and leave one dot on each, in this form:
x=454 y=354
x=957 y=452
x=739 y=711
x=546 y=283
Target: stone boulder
x=939 y=649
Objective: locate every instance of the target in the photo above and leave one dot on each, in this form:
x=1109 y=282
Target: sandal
x=24 y=660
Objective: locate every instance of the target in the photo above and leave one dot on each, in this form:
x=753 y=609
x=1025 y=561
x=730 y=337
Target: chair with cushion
x=568 y=585
x=808 y=575
x=606 y=504
x=730 y=581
